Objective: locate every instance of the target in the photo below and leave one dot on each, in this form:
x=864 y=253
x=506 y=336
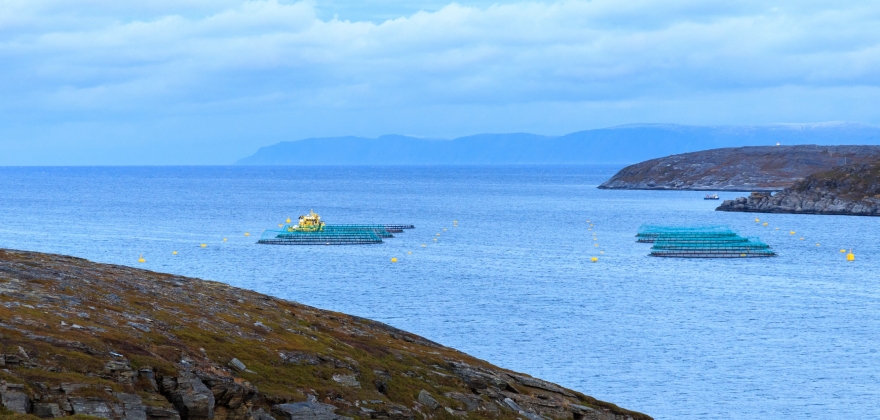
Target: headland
x=759 y=168
x=115 y=342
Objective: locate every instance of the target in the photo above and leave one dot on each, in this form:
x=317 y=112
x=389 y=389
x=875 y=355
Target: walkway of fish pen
x=701 y=242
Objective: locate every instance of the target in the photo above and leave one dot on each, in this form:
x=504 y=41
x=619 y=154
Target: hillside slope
x=122 y=343
x=847 y=190
x=615 y=145
x=770 y=168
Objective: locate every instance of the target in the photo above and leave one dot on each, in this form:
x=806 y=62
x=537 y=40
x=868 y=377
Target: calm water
x=789 y=337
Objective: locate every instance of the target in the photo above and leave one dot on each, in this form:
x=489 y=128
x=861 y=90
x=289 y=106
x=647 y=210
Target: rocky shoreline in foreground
x=87 y=339
x=852 y=190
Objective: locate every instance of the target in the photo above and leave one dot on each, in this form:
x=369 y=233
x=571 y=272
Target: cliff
x=86 y=339
x=768 y=168
x=847 y=190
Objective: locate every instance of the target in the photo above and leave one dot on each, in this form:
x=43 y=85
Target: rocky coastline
x=759 y=168
x=92 y=340
x=847 y=190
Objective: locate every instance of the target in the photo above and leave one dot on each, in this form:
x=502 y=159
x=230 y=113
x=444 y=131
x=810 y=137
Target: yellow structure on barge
x=308 y=223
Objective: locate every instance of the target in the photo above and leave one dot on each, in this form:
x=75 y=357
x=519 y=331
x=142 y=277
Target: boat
x=711 y=197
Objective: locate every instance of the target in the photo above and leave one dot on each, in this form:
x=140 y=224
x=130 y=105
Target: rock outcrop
x=770 y=168
x=847 y=190
x=119 y=343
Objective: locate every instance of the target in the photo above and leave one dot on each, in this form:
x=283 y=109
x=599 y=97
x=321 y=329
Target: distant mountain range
x=621 y=144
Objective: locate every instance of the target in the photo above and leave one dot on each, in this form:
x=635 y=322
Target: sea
x=790 y=337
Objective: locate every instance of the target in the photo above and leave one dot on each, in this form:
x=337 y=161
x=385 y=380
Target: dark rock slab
x=307 y=411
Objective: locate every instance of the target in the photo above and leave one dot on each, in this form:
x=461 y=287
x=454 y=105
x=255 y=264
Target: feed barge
x=311 y=230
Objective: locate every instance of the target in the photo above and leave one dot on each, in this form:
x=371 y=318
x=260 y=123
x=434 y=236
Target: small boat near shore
x=711 y=197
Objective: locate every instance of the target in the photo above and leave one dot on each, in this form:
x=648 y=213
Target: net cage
x=701 y=242
x=352 y=234
x=651 y=233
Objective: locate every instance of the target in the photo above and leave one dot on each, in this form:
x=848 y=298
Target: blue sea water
x=794 y=336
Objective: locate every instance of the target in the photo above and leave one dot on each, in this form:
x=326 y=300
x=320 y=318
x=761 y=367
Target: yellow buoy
x=595 y=238
x=588 y=221
x=281 y=225
x=765 y=223
x=802 y=239
x=173 y=252
x=204 y=245
x=438 y=234
x=850 y=256
x=224 y=239
x=817 y=244
x=742 y=255
x=602 y=252
x=393 y=259
x=594 y=259
x=777 y=228
x=423 y=245
x=247 y=234
x=596 y=245
x=435 y=239
x=791 y=233
x=141 y=259
x=842 y=251
x=288 y=220
x=409 y=252
x=757 y=220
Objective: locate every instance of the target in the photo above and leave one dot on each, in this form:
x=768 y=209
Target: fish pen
x=701 y=242
x=310 y=230
x=650 y=233
x=323 y=237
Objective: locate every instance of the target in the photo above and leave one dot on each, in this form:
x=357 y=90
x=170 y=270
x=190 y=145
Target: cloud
x=96 y=59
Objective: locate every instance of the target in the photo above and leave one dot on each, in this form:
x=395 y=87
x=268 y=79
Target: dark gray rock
x=92 y=406
x=132 y=406
x=14 y=398
x=157 y=413
x=47 y=410
x=427 y=400
x=192 y=399
x=307 y=411
x=231 y=399
x=237 y=365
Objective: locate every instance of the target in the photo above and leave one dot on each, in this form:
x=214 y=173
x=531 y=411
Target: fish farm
x=701 y=242
x=311 y=230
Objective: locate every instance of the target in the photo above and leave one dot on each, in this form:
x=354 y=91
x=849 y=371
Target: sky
x=104 y=82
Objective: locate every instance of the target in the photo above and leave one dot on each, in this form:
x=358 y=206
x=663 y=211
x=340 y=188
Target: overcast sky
x=210 y=81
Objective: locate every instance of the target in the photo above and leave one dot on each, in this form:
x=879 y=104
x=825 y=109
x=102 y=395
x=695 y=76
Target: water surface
x=787 y=337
